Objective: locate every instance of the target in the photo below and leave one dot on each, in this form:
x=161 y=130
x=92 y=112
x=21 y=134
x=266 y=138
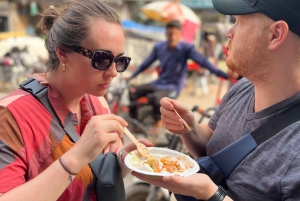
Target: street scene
x=149 y=100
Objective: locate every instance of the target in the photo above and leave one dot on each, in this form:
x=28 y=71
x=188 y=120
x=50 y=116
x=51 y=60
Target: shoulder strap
x=231 y=156
x=280 y=122
x=40 y=92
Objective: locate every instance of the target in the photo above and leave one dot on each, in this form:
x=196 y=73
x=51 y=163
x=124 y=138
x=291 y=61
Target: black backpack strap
x=227 y=159
x=40 y=92
x=280 y=122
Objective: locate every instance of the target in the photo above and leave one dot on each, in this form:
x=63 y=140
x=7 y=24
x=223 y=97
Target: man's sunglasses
x=102 y=60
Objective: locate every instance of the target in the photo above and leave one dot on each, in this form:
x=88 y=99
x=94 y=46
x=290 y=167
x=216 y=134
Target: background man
x=173 y=55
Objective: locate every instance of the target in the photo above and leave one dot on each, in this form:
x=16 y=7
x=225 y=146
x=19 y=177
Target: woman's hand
x=101 y=131
x=197 y=185
x=170 y=119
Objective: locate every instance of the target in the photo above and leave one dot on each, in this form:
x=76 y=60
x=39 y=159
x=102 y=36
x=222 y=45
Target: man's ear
x=278 y=33
x=61 y=55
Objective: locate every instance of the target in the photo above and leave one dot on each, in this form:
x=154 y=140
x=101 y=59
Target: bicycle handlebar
x=202 y=111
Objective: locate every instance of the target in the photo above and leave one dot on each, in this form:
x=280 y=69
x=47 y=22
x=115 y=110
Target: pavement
x=186 y=97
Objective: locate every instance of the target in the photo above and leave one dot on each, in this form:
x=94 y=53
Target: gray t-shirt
x=270 y=172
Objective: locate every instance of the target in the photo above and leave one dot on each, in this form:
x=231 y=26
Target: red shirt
x=30 y=140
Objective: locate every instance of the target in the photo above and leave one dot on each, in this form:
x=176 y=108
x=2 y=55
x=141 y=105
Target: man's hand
x=170 y=119
x=197 y=185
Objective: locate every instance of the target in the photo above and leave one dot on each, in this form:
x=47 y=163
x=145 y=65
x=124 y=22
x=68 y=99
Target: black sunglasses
x=102 y=60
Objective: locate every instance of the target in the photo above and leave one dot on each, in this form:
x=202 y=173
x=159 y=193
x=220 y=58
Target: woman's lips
x=104 y=86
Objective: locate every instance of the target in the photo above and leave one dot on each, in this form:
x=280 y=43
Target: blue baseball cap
x=286 y=10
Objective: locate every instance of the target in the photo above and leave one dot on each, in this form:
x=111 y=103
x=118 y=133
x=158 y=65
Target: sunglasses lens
x=122 y=63
x=102 y=60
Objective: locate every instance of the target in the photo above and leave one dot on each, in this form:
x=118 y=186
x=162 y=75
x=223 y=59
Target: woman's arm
x=49 y=185
x=118 y=148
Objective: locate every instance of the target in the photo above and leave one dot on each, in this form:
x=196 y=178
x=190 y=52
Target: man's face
x=247 y=46
x=173 y=37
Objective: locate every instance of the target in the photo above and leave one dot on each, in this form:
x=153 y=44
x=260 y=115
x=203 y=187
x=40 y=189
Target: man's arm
x=196 y=140
x=146 y=63
x=203 y=62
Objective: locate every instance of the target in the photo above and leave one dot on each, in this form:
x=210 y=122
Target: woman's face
x=103 y=36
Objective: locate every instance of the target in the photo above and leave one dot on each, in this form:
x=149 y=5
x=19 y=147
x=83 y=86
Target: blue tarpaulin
x=202 y=4
x=146 y=31
x=129 y=24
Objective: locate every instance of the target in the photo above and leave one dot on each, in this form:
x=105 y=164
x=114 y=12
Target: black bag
x=109 y=181
x=219 y=166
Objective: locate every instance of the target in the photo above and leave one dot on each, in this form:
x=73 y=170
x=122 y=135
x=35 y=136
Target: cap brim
x=233 y=7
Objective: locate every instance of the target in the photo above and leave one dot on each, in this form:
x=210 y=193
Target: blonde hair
x=67 y=27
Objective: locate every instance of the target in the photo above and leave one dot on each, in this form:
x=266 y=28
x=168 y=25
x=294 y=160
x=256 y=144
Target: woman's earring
x=64 y=67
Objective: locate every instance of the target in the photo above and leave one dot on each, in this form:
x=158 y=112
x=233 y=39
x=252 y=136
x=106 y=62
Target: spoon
x=142 y=149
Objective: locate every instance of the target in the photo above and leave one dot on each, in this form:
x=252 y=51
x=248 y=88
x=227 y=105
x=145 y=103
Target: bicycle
x=141 y=191
x=115 y=95
x=144 y=121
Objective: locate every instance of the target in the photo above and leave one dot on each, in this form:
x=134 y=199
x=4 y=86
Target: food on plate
x=160 y=163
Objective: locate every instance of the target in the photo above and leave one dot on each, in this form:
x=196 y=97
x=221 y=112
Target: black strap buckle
x=33 y=86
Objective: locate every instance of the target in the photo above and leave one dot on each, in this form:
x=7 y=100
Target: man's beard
x=247 y=61
x=229 y=63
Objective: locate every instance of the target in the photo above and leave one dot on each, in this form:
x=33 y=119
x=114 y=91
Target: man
x=173 y=55
x=264 y=48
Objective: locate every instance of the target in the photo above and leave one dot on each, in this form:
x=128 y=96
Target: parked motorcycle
x=16 y=66
x=119 y=103
x=117 y=97
x=5 y=64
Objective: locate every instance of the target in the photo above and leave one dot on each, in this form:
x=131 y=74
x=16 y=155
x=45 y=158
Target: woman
x=85 y=45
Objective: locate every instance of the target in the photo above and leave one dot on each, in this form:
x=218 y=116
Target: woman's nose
x=112 y=70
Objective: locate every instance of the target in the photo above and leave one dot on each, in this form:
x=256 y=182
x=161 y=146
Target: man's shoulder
x=242 y=88
x=185 y=45
x=241 y=85
x=160 y=44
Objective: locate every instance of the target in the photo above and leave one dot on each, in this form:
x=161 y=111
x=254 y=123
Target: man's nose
x=229 y=34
